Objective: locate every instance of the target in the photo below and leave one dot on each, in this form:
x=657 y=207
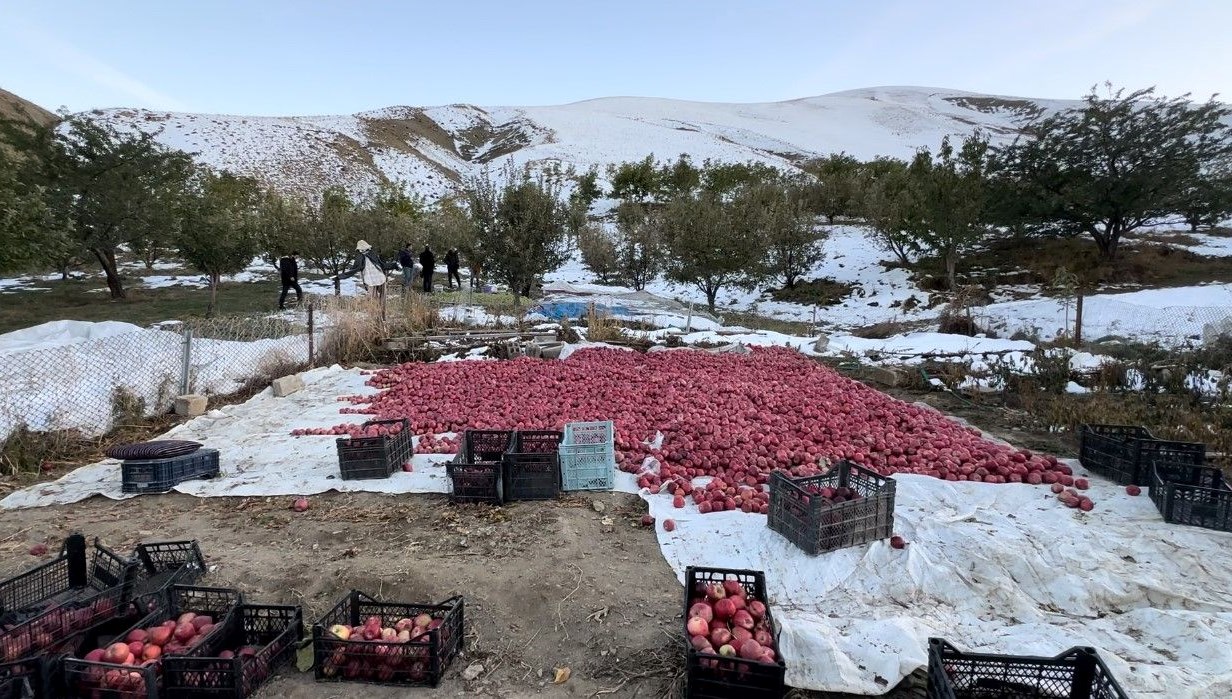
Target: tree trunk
x=106 y=258
x=337 y=286
x=1107 y=242
x=712 y=292
x=214 y=280
x=951 y=271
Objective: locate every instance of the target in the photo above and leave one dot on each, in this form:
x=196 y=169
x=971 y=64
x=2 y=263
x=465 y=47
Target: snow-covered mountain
x=433 y=148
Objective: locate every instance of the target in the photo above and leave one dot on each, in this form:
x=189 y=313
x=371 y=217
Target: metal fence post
x=186 y=362
x=311 y=333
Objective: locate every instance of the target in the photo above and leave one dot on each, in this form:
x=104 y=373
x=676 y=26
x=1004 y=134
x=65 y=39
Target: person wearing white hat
x=370 y=268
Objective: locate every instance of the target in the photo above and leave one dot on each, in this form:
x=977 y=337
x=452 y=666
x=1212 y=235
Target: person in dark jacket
x=406 y=259
x=428 y=261
x=451 y=266
x=288 y=269
x=370 y=268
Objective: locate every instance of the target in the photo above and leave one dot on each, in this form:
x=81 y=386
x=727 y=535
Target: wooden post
x=311 y=333
x=1078 y=318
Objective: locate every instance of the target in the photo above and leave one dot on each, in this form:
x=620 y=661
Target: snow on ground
x=60 y=333
x=992 y=568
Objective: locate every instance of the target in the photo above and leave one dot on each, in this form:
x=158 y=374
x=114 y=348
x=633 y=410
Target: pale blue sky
x=273 y=57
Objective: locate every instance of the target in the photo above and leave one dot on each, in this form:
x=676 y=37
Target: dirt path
x=547 y=585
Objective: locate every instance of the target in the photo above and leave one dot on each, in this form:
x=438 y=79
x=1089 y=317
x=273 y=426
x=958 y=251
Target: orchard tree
x=112 y=188
x=1208 y=201
x=793 y=244
x=834 y=186
x=681 y=178
x=220 y=226
x=710 y=245
x=520 y=226
x=329 y=241
x=639 y=243
x=26 y=223
x=598 y=253
x=886 y=205
x=946 y=200
x=635 y=181
x=1120 y=162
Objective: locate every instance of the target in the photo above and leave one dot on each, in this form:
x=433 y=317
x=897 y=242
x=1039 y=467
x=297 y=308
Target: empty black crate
x=532 y=466
x=486 y=445
x=273 y=630
x=1126 y=454
x=364 y=458
x=1078 y=673
x=84 y=678
x=418 y=662
x=162 y=564
x=73 y=573
x=799 y=514
x=710 y=676
x=161 y=475
x=472 y=481
x=1198 y=496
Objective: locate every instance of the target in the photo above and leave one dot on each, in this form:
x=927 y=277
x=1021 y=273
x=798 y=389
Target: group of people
x=372 y=270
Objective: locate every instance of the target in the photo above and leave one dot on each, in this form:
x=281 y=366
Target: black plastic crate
x=50 y=677
x=272 y=630
x=165 y=563
x=25 y=678
x=1126 y=454
x=484 y=446
x=475 y=481
x=799 y=514
x=710 y=676
x=420 y=662
x=88 y=679
x=76 y=572
x=532 y=465
x=1198 y=496
x=366 y=458
x=161 y=475
x=1078 y=673
x=45 y=633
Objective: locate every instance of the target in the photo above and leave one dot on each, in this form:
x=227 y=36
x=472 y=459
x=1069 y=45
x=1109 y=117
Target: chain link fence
x=1103 y=318
x=91 y=384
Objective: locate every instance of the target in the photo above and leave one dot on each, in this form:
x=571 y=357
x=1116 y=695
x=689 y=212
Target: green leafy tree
x=26 y=223
x=723 y=180
x=639 y=243
x=1120 y=162
x=1208 y=200
x=681 y=178
x=220 y=231
x=946 y=198
x=520 y=226
x=887 y=207
x=598 y=253
x=833 y=191
x=112 y=188
x=711 y=245
x=637 y=181
x=793 y=244
x=329 y=241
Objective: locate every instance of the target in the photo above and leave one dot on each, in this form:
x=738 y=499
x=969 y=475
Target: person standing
x=288 y=269
x=428 y=260
x=370 y=268
x=451 y=267
x=406 y=259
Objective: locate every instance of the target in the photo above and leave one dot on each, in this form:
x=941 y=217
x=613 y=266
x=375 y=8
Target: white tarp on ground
x=996 y=568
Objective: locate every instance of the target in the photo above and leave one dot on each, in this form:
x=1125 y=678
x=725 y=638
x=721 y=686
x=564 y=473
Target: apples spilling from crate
x=725 y=621
x=146 y=647
x=350 y=430
x=734 y=417
x=377 y=652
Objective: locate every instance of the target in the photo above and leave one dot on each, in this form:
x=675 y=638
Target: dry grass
x=601 y=327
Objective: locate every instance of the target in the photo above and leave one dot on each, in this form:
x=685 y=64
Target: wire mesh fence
x=1103 y=318
x=91 y=385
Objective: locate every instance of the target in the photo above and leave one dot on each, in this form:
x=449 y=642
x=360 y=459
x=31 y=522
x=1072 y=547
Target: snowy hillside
x=432 y=148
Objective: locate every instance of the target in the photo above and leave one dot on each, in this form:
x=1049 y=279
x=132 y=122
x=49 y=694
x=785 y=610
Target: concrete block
x=287 y=385
x=190 y=405
x=886 y=376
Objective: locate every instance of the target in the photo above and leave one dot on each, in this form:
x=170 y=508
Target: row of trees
x=1120 y=162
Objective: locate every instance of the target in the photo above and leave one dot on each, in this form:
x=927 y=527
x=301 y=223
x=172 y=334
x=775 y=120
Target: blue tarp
x=558 y=310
